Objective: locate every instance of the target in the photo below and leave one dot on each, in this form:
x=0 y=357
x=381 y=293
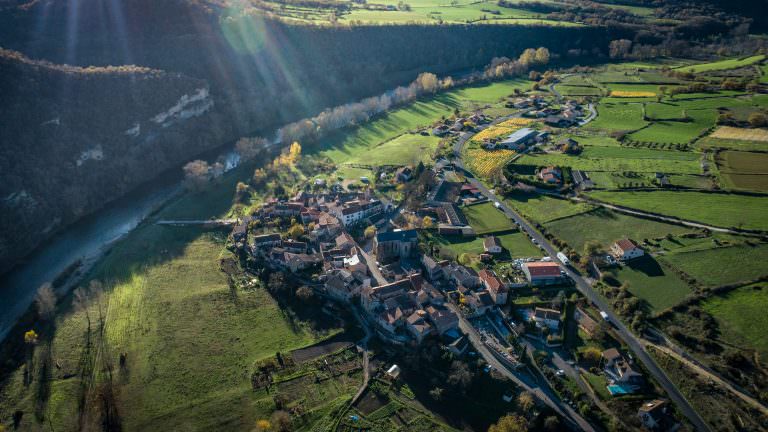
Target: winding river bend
x=86 y=240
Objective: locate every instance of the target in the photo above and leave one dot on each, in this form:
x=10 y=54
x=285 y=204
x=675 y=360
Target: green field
x=486 y=218
x=613 y=116
x=578 y=90
x=710 y=142
x=517 y=244
x=386 y=141
x=649 y=281
x=722 y=64
x=676 y=132
x=744 y=170
x=722 y=266
x=462 y=12
x=607 y=227
x=741 y=316
x=722 y=210
x=599 y=384
x=427 y=12
x=619 y=159
x=407 y=149
x=541 y=208
x=189 y=339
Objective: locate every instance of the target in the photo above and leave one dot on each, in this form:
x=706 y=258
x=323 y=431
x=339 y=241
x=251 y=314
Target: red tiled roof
x=543 y=269
x=626 y=245
x=494 y=284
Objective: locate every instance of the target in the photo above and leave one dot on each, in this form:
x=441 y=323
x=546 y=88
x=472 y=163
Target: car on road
x=534 y=241
x=497 y=204
x=604 y=315
x=560 y=372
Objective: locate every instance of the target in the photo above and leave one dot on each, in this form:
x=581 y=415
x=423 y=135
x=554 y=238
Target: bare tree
x=281 y=421
x=45 y=301
x=250 y=147
x=197 y=174
x=620 y=48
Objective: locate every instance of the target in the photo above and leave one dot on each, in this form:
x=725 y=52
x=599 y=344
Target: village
x=346 y=246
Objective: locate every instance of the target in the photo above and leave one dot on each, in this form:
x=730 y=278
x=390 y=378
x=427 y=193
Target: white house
x=492 y=245
x=547 y=318
x=625 y=250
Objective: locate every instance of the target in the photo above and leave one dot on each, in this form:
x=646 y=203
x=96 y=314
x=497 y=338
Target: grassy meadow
x=607 y=227
x=659 y=287
x=189 y=339
x=723 y=64
x=517 y=244
x=618 y=159
x=741 y=316
x=722 y=265
x=486 y=218
x=542 y=209
x=387 y=140
x=724 y=210
x=614 y=116
x=744 y=170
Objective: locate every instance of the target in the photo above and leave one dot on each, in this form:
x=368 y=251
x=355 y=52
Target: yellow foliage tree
x=30 y=337
x=370 y=231
x=296 y=231
x=427 y=222
x=294 y=152
x=510 y=423
x=263 y=425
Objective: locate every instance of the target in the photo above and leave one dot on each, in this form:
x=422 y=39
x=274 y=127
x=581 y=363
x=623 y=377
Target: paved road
x=543 y=394
x=629 y=338
x=683 y=357
x=591 y=116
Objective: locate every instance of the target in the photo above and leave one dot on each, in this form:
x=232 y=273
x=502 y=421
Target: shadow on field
x=646 y=264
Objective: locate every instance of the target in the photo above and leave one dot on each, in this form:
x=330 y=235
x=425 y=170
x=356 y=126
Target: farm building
x=542 y=273
x=519 y=138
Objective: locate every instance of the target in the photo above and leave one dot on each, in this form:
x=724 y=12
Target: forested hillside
x=259 y=73
x=74 y=138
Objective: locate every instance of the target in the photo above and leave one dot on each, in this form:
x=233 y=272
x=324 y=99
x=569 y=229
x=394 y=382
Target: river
x=86 y=240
